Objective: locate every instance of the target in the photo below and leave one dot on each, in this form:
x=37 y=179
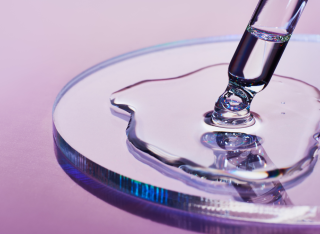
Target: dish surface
x=87 y=129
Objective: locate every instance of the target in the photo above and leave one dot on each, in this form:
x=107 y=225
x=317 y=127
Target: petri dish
x=90 y=137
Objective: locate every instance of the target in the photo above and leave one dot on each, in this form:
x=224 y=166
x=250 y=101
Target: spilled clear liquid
x=167 y=129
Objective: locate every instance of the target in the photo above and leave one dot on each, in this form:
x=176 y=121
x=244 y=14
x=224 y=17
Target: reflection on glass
x=240 y=151
x=111 y=191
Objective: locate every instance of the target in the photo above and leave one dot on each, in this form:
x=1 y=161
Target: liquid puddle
x=168 y=129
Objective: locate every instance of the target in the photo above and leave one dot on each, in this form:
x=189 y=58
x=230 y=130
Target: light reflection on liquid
x=166 y=124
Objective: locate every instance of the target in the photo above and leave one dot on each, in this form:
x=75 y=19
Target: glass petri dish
x=92 y=139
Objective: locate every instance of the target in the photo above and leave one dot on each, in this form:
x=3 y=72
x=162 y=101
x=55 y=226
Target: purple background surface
x=46 y=43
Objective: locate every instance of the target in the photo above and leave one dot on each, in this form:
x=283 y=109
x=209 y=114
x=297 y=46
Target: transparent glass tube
x=255 y=60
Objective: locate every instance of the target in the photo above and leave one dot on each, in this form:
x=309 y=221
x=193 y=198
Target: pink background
x=46 y=43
